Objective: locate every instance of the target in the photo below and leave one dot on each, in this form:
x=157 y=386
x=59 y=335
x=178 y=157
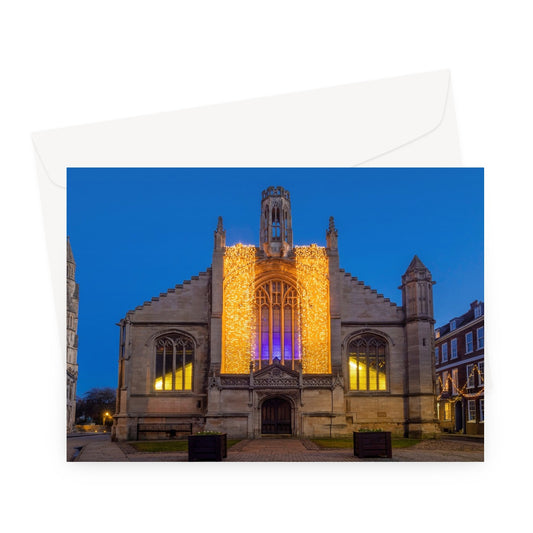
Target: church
x=277 y=339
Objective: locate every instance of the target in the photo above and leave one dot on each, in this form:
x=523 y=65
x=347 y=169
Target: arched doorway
x=276 y=417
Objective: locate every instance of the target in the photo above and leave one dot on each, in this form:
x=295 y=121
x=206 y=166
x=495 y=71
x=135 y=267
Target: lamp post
x=105 y=415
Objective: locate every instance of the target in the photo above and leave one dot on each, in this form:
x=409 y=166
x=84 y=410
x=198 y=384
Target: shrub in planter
x=372 y=443
x=208 y=446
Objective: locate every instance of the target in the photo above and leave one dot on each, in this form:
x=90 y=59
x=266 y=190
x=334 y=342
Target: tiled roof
x=463 y=319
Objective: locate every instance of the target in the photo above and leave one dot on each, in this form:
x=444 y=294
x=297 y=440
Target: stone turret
x=332 y=235
x=417 y=298
x=217 y=277
x=335 y=295
x=72 y=337
x=275 y=236
x=417 y=291
x=220 y=235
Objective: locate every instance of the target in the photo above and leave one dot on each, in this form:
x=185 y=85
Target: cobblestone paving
x=292 y=450
x=286 y=450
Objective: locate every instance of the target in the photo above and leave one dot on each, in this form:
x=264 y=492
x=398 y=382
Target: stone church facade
x=73 y=301
x=278 y=339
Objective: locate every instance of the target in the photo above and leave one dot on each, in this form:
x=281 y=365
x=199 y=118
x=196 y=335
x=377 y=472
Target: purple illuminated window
x=277 y=321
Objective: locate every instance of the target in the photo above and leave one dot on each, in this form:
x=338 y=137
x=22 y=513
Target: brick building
x=460 y=371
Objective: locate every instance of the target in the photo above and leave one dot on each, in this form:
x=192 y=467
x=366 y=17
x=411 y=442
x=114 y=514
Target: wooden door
x=276 y=417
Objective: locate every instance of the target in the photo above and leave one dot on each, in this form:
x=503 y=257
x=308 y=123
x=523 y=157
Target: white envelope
x=405 y=121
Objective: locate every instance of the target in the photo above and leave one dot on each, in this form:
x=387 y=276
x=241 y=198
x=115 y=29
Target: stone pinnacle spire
x=276 y=222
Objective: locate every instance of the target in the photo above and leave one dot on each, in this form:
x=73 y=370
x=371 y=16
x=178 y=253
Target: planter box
x=372 y=444
x=207 y=447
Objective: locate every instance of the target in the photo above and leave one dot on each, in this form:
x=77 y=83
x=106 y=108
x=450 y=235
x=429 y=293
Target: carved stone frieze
x=318 y=381
x=275 y=377
x=292 y=394
x=240 y=382
x=281 y=382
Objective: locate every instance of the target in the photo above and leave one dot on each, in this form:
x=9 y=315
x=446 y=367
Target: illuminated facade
x=276 y=338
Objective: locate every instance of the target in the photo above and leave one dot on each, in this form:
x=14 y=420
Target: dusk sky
x=137 y=232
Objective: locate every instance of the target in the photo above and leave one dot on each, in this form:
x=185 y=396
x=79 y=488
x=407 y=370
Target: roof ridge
x=171 y=290
x=373 y=291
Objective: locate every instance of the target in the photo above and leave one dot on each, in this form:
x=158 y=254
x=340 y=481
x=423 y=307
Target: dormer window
x=453 y=325
x=437 y=333
x=477 y=311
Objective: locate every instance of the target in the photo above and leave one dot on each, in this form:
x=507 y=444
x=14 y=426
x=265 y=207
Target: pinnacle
x=416 y=264
x=70 y=255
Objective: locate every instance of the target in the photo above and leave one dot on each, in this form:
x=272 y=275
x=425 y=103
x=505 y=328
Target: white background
x=69 y=63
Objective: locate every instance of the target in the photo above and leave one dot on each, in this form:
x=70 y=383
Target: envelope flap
x=365 y=119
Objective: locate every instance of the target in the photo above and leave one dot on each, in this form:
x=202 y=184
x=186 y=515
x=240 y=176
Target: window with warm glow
x=445 y=382
x=447 y=411
x=174 y=358
x=481 y=373
x=455 y=377
x=367 y=360
x=277 y=332
x=471 y=415
x=470 y=377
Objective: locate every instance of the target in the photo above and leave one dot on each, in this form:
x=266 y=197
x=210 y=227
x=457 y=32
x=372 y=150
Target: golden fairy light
x=313 y=288
x=238 y=309
x=461 y=391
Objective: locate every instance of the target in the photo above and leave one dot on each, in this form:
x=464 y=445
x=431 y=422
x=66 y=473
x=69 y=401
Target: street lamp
x=105 y=415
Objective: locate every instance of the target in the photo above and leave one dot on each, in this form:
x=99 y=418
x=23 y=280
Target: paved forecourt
x=288 y=450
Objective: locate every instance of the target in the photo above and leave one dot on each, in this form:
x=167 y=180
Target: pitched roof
x=465 y=318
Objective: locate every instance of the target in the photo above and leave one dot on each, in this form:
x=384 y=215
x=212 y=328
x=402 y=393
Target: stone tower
x=276 y=222
x=335 y=294
x=72 y=337
x=217 y=276
x=417 y=299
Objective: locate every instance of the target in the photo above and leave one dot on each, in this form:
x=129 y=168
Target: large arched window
x=277 y=331
x=174 y=355
x=367 y=361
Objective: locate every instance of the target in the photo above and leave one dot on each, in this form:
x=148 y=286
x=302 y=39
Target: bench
x=172 y=430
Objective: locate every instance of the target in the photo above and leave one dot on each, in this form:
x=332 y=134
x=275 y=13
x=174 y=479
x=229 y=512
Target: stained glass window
x=277 y=322
x=367 y=360
x=174 y=359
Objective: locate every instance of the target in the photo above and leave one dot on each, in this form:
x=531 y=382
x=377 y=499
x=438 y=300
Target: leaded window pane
x=287 y=333
x=188 y=362
x=168 y=366
x=276 y=332
x=265 y=333
x=367 y=363
x=159 y=362
x=174 y=360
x=276 y=324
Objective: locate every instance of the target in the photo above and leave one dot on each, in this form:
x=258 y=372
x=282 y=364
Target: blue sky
x=137 y=232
